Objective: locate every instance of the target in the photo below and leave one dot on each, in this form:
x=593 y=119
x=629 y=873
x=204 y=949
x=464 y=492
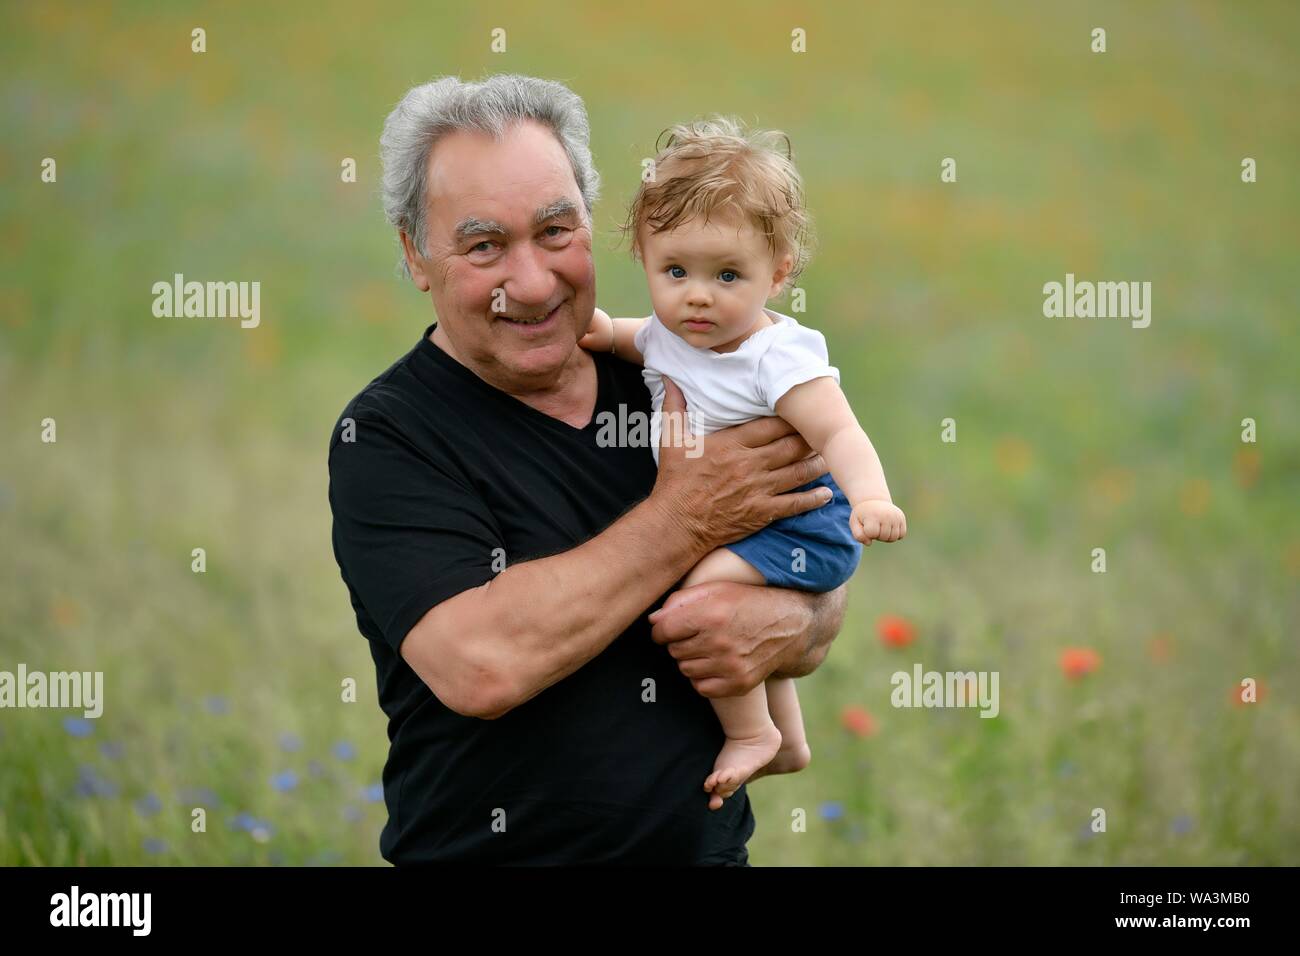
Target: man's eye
x=484 y=246
x=727 y=275
x=677 y=272
x=554 y=232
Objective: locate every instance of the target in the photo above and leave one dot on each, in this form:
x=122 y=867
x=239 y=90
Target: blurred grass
x=175 y=434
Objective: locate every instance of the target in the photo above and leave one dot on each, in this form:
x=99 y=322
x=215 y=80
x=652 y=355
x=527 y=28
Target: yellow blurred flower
x=1114 y=485
x=1013 y=455
x=1245 y=466
x=63 y=612
x=1291 y=560
x=261 y=345
x=1195 y=497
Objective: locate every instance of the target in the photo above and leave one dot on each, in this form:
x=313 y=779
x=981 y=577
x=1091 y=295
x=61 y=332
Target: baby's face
x=710 y=281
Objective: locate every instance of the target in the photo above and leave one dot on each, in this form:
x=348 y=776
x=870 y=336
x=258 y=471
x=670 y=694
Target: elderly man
x=503 y=563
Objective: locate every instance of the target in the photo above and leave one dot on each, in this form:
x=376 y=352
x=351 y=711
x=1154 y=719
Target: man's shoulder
x=380 y=400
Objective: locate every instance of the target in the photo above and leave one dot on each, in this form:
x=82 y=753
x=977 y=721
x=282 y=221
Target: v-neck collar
x=445 y=361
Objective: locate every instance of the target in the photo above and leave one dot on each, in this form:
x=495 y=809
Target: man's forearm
x=550 y=616
x=826 y=616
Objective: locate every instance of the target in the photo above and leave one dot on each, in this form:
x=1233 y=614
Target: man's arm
x=493 y=647
x=728 y=638
x=827 y=617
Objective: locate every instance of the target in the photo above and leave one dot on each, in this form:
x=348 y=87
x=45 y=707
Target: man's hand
x=728 y=638
x=739 y=479
x=877 y=520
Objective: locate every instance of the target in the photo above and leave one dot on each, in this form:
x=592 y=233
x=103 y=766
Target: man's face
x=709 y=281
x=509 y=244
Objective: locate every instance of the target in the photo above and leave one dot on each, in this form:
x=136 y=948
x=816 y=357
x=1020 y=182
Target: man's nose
x=530 y=280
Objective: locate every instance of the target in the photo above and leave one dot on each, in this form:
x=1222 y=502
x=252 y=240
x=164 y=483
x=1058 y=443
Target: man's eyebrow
x=561 y=207
x=472 y=226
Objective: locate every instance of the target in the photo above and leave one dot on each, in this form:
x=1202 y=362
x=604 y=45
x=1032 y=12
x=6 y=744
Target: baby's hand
x=879 y=519
x=600 y=334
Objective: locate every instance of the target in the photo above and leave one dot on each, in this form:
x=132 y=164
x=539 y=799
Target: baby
x=720 y=228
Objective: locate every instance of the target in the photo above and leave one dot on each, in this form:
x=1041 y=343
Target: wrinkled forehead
x=516 y=180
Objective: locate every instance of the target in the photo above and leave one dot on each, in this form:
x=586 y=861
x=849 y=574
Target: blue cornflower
x=90 y=783
x=111 y=749
x=78 y=726
x=344 y=750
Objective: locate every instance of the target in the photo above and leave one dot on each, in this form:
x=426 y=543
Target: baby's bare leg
x=753 y=739
x=783 y=705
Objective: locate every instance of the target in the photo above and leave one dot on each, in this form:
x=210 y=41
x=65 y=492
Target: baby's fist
x=600 y=334
x=877 y=519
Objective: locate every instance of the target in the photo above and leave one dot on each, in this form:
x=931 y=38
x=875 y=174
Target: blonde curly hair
x=708 y=168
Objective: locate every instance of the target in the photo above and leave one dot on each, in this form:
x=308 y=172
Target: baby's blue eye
x=727 y=272
x=677 y=272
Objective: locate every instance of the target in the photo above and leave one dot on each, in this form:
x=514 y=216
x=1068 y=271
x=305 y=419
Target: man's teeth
x=531 y=320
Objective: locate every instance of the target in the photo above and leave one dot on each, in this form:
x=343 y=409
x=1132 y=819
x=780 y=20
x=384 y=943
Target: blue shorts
x=814 y=551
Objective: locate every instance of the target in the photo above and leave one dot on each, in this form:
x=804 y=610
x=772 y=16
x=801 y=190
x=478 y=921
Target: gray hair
x=491 y=106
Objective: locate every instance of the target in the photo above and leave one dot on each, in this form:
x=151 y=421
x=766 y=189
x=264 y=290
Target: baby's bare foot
x=740 y=759
x=789 y=759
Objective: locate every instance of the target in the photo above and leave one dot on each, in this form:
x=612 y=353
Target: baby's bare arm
x=821 y=413
x=625 y=331
x=613 y=335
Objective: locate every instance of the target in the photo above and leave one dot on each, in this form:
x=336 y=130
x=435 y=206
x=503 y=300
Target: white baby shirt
x=729 y=388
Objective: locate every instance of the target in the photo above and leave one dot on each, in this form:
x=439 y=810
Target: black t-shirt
x=446 y=478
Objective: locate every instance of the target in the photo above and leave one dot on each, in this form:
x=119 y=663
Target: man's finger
x=674 y=400
x=784 y=451
x=800 y=473
x=796 y=503
x=677 y=625
x=690 y=595
x=762 y=431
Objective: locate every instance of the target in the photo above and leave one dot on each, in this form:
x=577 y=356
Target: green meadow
x=1119 y=689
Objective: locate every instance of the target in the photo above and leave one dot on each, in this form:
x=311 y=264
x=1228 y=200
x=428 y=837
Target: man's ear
x=778 y=277
x=414 y=262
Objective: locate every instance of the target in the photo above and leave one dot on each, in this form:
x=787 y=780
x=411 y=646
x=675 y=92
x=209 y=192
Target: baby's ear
x=783 y=267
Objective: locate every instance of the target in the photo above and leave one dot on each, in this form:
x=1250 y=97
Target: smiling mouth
x=530 y=319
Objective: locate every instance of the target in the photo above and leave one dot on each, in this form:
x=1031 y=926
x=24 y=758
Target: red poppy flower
x=895 y=631
x=858 y=721
x=1079 y=662
x=1160 y=647
x=1238 y=691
